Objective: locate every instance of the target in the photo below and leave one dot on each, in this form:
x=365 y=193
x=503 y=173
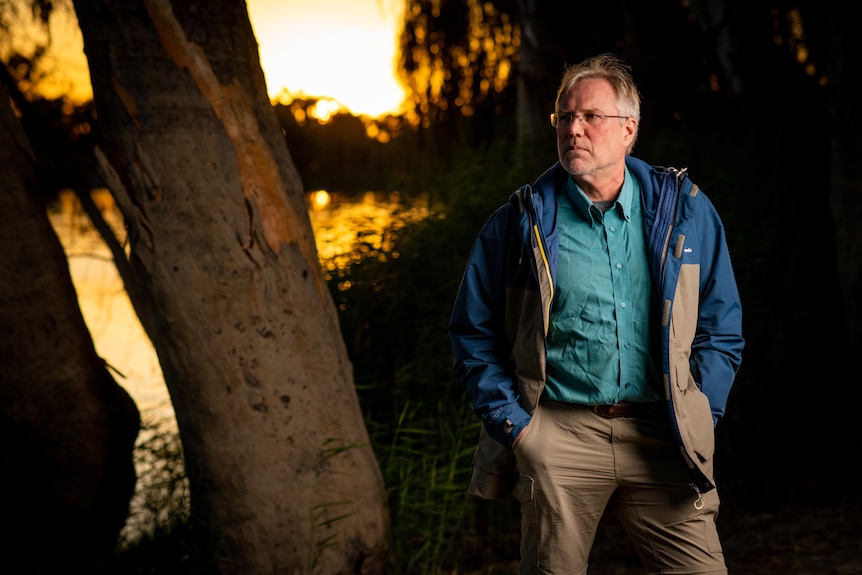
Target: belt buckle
x=615 y=410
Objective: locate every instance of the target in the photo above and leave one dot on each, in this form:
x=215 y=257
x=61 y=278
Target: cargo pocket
x=523 y=490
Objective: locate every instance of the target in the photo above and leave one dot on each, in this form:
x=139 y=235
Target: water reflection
x=344 y=230
x=119 y=338
x=339 y=225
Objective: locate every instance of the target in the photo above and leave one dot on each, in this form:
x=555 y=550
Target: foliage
x=455 y=55
x=164 y=498
x=160 y=536
x=338 y=154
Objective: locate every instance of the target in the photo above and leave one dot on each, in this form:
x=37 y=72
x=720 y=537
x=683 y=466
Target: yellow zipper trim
x=547 y=268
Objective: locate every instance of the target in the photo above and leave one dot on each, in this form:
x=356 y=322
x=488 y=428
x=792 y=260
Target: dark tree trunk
x=67 y=430
x=846 y=188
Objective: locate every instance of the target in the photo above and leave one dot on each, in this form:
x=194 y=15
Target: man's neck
x=601 y=187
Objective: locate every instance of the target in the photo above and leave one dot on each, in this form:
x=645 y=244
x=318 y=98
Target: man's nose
x=576 y=126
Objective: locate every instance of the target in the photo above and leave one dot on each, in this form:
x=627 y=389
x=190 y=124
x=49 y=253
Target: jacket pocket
x=694 y=418
x=494 y=469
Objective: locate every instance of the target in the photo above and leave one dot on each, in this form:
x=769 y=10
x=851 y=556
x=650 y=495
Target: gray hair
x=611 y=68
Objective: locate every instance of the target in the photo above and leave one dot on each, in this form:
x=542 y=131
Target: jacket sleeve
x=477 y=333
x=716 y=351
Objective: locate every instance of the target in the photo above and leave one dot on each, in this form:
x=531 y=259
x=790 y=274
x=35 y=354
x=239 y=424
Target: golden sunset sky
x=344 y=50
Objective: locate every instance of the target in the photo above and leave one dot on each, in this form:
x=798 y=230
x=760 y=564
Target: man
x=597 y=332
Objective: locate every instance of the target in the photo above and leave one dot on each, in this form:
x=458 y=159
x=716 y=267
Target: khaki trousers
x=573 y=464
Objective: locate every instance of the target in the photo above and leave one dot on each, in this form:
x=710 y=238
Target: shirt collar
x=583 y=204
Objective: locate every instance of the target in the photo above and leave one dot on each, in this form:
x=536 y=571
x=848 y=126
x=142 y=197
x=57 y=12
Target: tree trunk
x=846 y=189
x=224 y=274
x=67 y=430
x=541 y=60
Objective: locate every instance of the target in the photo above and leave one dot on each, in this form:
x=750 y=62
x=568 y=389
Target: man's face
x=589 y=145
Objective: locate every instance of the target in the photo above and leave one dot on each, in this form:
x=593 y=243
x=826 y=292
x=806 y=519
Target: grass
x=425 y=463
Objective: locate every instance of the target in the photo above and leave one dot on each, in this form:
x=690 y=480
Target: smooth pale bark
x=225 y=277
x=67 y=430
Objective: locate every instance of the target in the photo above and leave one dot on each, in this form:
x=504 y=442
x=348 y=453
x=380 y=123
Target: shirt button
x=619 y=265
x=613 y=228
x=624 y=304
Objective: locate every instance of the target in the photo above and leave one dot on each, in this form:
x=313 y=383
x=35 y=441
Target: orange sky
x=340 y=49
x=343 y=49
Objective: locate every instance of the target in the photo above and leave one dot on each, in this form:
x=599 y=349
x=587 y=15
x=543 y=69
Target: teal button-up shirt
x=598 y=341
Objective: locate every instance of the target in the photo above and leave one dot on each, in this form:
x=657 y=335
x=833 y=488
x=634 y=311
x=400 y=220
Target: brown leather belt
x=625 y=409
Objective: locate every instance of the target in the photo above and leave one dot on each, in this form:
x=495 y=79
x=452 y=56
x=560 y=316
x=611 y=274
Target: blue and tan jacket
x=502 y=310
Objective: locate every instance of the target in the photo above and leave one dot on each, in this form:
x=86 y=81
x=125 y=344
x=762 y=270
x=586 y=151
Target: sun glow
x=340 y=51
x=343 y=50
x=323 y=110
x=319 y=200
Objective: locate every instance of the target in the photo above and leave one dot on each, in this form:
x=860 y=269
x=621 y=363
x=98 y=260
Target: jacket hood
x=542 y=196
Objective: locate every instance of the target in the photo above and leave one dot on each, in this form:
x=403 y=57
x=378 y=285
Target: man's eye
x=565 y=117
x=592 y=118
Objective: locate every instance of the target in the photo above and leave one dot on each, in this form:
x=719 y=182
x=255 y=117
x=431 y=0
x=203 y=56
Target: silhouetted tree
x=846 y=178
x=67 y=430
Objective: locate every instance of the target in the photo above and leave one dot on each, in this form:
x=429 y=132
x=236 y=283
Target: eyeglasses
x=564 y=119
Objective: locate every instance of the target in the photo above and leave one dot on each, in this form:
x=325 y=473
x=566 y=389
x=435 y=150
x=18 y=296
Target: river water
x=118 y=336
